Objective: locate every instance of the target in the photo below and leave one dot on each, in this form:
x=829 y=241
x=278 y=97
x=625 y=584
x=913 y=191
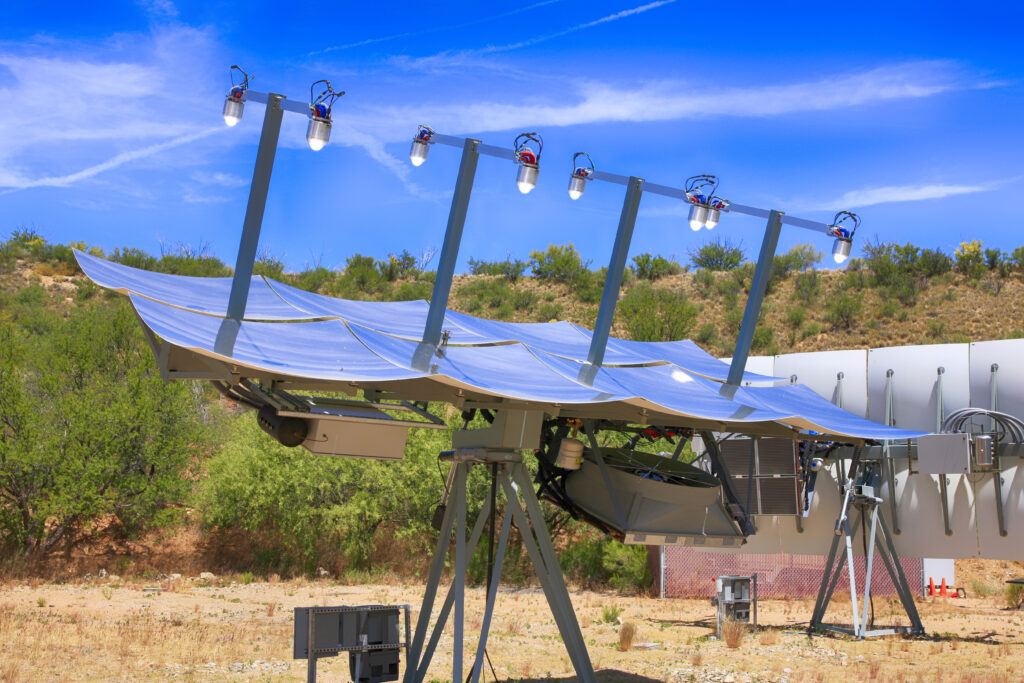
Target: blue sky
x=907 y=113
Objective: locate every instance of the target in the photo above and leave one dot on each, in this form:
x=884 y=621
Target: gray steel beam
x=452 y=239
x=756 y=298
x=613 y=281
x=257 y=204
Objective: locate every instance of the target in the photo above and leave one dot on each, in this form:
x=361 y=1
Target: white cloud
x=433 y=29
x=113 y=162
x=578 y=27
x=72 y=112
x=159 y=9
x=219 y=179
x=668 y=101
x=871 y=196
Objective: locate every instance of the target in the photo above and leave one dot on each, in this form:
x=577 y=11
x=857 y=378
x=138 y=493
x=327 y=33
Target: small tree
x=719 y=254
x=559 y=263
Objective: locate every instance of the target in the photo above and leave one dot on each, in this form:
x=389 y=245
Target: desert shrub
x=548 y=311
x=305 y=511
x=412 y=290
x=1014 y=595
x=933 y=262
x=654 y=314
x=127 y=445
x=559 y=263
x=312 y=279
x=706 y=334
x=610 y=613
x=627 y=633
x=523 y=299
x=1017 y=258
x=969 y=259
x=135 y=258
x=718 y=254
x=511 y=269
x=589 y=286
x=795 y=316
x=800 y=258
x=842 y=310
x=395 y=267
x=764 y=340
x=994 y=258
x=704 y=280
x=269 y=266
x=599 y=560
x=733 y=632
x=490 y=292
x=649 y=267
x=807 y=286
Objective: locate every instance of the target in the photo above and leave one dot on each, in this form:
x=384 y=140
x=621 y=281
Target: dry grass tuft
x=733 y=632
x=769 y=638
x=271 y=608
x=514 y=626
x=627 y=633
x=696 y=659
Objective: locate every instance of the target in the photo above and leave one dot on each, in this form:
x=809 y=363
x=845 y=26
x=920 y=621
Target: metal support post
x=613 y=281
x=452 y=239
x=258 y=190
x=757 y=290
x=532 y=528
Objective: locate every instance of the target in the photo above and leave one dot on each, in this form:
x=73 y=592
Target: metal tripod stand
x=508 y=469
x=862 y=497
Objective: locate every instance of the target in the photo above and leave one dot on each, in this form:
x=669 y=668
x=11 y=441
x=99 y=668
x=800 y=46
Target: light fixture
x=715 y=208
x=705 y=209
x=421 y=145
x=580 y=175
x=529 y=169
x=234 y=103
x=319 y=131
x=844 y=236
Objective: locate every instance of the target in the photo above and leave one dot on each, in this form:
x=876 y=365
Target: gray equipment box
x=736 y=599
x=944 y=454
x=371 y=634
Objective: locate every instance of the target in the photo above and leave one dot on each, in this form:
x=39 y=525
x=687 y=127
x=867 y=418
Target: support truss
x=511 y=476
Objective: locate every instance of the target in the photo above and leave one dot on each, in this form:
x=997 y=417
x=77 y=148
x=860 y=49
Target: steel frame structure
x=508 y=472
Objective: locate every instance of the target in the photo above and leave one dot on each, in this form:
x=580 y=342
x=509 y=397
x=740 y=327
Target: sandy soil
x=202 y=630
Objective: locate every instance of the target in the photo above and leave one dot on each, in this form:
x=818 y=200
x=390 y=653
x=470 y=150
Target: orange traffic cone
x=931 y=586
x=943 y=593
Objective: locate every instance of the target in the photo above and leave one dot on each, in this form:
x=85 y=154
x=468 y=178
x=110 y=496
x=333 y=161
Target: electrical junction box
x=944 y=454
x=511 y=429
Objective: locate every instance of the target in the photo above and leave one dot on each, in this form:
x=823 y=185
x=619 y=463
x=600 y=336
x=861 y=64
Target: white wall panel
x=819 y=370
x=915 y=382
x=1009 y=355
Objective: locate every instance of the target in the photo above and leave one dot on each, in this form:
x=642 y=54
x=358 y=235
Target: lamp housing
x=698 y=216
x=577 y=185
x=318 y=133
x=421 y=145
x=526 y=177
x=234 y=106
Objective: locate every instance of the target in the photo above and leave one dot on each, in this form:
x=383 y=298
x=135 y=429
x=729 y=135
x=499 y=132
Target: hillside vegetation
x=93 y=444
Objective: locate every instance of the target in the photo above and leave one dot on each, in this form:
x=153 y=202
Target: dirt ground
x=227 y=629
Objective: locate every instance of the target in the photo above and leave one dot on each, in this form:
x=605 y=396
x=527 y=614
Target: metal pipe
x=452 y=239
x=756 y=298
x=613 y=281
x=258 y=190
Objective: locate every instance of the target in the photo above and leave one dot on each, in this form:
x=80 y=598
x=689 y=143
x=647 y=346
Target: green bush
x=135 y=258
x=306 y=510
x=764 y=340
x=395 y=267
x=269 y=266
x=707 y=334
x=842 y=310
x=654 y=314
x=548 y=311
x=512 y=269
x=649 y=267
x=559 y=263
x=807 y=286
x=795 y=316
x=312 y=279
x=718 y=254
x=90 y=431
x=490 y=292
x=595 y=561
x=590 y=286
x=969 y=259
x=412 y=290
x=1017 y=259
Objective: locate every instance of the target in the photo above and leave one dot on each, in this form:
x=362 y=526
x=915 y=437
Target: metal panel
x=762 y=365
x=915 y=382
x=818 y=370
x=1008 y=355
